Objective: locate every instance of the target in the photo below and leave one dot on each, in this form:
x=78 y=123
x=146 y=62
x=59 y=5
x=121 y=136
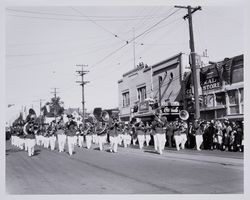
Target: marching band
x=26 y=134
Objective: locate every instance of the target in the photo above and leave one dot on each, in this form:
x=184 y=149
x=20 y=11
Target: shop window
x=220 y=99
x=125 y=99
x=142 y=94
x=233 y=97
x=209 y=100
x=221 y=113
x=234 y=109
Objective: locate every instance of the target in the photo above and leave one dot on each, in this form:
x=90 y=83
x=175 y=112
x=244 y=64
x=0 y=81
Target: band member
x=71 y=128
x=101 y=134
x=140 y=130
x=160 y=135
x=147 y=133
x=120 y=133
x=170 y=133
x=46 y=137
x=113 y=136
x=126 y=136
x=183 y=133
x=134 y=134
x=61 y=137
x=88 y=134
x=198 y=134
x=177 y=138
x=30 y=135
x=80 y=135
x=39 y=135
x=52 y=137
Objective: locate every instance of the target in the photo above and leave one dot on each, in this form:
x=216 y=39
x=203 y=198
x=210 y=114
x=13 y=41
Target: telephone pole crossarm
x=82 y=83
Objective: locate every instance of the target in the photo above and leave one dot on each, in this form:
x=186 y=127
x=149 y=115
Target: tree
x=55 y=107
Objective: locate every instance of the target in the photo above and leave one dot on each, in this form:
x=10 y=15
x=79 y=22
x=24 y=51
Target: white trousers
x=114 y=143
x=61 y=142
x=177 y=139
x=160 y=142
x=94 y=139
x=52 y=142
x=198 y=140
x=101 y=140
x=46 y=142
x=147 y=139
x=88 y=141
x=20 y=142
x=30 y=146
x=140 y=141
x=80 y=140
x=40 y=140
x=126 y=140
x=183 y=140
x=25 y=143
x=71 y=144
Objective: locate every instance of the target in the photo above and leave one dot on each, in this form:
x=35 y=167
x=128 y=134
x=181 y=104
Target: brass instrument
x=184 y=115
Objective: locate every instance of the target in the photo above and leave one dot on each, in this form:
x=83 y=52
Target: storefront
x=222 y=90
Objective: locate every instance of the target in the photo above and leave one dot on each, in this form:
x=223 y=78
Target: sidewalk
x=205 y=156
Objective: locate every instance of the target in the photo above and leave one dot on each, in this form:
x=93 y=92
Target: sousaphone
x=184 y=115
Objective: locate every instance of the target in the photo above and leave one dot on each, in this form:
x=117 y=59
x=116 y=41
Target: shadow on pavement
x=37 y=152
x=151 y=151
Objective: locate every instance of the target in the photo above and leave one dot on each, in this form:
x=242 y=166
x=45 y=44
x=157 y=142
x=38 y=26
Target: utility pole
x=55 y=96
x=195 y=72
x=82 y=83
x=55 y=92
x=40 y=104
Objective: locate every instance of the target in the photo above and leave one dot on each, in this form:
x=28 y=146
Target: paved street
x=130 y=171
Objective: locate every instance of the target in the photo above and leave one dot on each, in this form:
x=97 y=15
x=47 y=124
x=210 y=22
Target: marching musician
x=183 y=133
x=80 y=135
x=126 y=136
x=61 y=137
x=160 y=136
x=113 y=136
x=52 y=137
x=29 y=131
x=140 y=130
x=198 y=126
x=46 y=136
x=89 y=127
x=71 y=128
x=101 y=134
x=177 y=137
x=147 y=133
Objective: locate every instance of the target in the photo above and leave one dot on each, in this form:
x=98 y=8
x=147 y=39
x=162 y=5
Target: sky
x=43 y=45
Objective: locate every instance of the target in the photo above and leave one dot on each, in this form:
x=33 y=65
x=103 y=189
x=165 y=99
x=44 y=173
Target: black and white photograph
x=124 y=99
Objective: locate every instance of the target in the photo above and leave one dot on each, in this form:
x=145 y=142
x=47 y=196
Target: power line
x=93 y=21
x=121 y=47
x=103 y=18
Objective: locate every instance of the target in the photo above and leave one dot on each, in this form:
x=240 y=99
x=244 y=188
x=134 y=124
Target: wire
x=106 y=18
x=118 y=49
x=93 y=21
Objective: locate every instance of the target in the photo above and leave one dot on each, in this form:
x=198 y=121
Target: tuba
x=105 y=116
x=184 y=115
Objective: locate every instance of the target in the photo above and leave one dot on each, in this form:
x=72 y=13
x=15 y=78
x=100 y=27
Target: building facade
x=222 y=90
x=141 y=88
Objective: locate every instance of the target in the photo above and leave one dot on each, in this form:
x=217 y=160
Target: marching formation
x=160 y=132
